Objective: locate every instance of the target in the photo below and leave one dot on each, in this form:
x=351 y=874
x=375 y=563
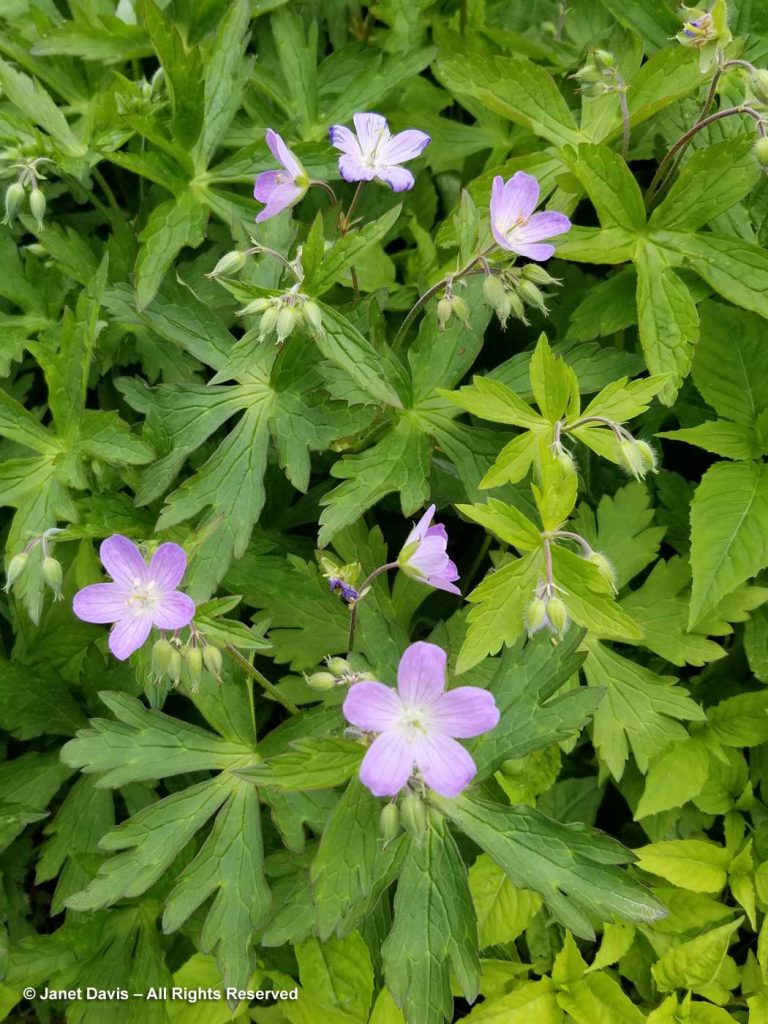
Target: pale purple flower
x=514 y=224
x=283 y=188
x=141 y=596
x=375 y=153
x=418 y=724
x=424 y=556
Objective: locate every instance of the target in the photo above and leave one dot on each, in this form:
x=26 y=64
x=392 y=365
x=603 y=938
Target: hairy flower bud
x=531 y=294
x=536 y=615
x=162 y=652
x=268 y=321
x=604 y=567
x=259 y=305
x=460 y=308
x=604 y=60
x=444 y=312
x=175 y=665
x=16 y=567
x=194 y=659
x=761 y=151
x=286 y=321
x=230 y=263
x=636 y=457
x=213 y=661
x=321 y=681
x=389 y=823
x=414 y=817
x=537 y=274
x=338 y=666
x=758 y=81
x=53 y=575
x=14 y=197
x=313 y=317
x=494 y=293
x=566 y=461
x=37 y=206
x=557 y=613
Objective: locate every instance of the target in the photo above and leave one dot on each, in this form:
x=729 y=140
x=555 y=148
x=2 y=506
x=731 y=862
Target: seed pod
x=194 y=660
x=557 y=613
x=37 y=206
x=213 y=661
x=230 y=263
x=494 y=292
x=162 y=652
x=444 y=312
x=414 y=817
x=761 y=151
x=389 y=823
x=313 y=317
x=14 y=197
x=53 y=575
x=604 y=567
x=536 y=615
x=338 y=666
x=321 y=681
x=286 y=321
x=16 y=567
x=268 y=321
x=175 y=665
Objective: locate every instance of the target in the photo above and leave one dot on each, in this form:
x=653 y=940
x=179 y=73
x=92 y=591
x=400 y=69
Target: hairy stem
x=366 y=583
x=262 y=680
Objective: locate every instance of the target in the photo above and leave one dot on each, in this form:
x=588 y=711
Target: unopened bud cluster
x=410 y=814
x=185 y=662
x=509 y=292
x=341 y=580
x=337 y=672
x=636 y=457
x=599 y=76
x=547 y=610
x=449 y=306
x=16 y=192
x=45 y=565
x=282 y=314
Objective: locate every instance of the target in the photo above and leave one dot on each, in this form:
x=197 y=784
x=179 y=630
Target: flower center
x=414 y=722
x=281 y=178
x=143 y=597
x=371 y=160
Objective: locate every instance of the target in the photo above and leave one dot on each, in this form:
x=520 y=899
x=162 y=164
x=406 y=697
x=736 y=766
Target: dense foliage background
x=204 y=835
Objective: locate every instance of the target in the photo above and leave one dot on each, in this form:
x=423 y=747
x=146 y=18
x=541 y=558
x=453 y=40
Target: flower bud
x=531 y=294
x=494 y=292
x=557 y=613
x=761 y=151
x=459 y=307
x=313 y=317
x=604 y=60
x=444 y=312
x=53 y=575
x=321 y=681
x=162 y=652
x=286 y=321
x=533 y=272
x=566 y=462
x=758 y=81
x=604 y=567
x=16 y=567
x=389 y=823
x=230 y=263
x=536 y=615
x=516 y=307
x=338 y=666
x=255 y=306
x=213 y=661
x=174 y=666
x=194 y=660
x=414 y=817
x=636 y=457
x=37 y=206
x=268 y=321
x=14 y=197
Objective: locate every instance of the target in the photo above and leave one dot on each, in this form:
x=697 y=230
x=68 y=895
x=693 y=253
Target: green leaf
x=667 y=320
x=571 y=866
x=732 y=440
x=352 y=869
x=695 y=963
x=491 y=400
x=183 y=73
x=694 y=864
x=310 y=764
x=610 y=186
x=33 y=100
x=675 y=777
x=171 y=226
x=728 y=540
x=589 y=598
x=343 y=254
x=730 y=368
x=622 y=400
x=226 y=71
x=337 y=979
x=553 y=383
x=531 y=1001
x=740 y=721
x=31 y=705
x=598 y=997
x=348 y=349
x=652 y=20
x=516 y=89
x=506 y=522
x=434 y=927
x=503 y=911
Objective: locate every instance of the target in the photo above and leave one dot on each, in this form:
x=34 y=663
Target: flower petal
x=373 y=707
x=266 y=183
x=464 y=712
x=281 y=198
x=421 y=673
x=398 y=178
x=521 y=194
x=444 y=764
x=129 y=634
x=445 y=580
x=352 y=169
x=342 y=138
x=545 y=224
x=534 y=251
x=101 y=602
x=282 y=153
x=430 y=557
x=422 y=528
x=122 y=559
x=387 y=765
x=168 y=565
x=174 y=611
x=405 y=146
x=371 y=130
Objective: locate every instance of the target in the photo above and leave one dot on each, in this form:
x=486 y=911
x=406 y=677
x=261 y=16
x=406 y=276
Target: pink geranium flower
x=514 y=224
x=375 y=153
x=424 y=556
x=418 y=724
x=283 y=188
x=141 y=596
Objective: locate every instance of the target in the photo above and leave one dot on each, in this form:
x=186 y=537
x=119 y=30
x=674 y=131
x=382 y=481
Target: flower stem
x=262 y=680
x=366 y=583
x=345 y=221
x=326 y=188
x=624 y=117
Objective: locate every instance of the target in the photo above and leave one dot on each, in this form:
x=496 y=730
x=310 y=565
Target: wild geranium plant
x=384 y=431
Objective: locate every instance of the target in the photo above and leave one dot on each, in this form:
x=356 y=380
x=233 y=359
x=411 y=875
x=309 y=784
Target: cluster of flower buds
x=337 y=672
x=50 y=567
x=636 y=457
x=185 y=661
x=451 y=305
x=342 y=579
x=411 y=813
x=547 y=610
x=510 y=291
x=600 y=75
x=281 y=314
x=16 y=193
x=705 y=31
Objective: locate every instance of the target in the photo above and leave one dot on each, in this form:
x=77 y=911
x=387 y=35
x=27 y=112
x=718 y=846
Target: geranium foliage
x=383 y=418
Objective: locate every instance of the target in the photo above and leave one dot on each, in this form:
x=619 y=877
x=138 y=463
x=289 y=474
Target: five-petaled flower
x=141 y=596
x=375 y=153
x=418 y=724
x=283 y=188
x=514 y=224
x=424 y=557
